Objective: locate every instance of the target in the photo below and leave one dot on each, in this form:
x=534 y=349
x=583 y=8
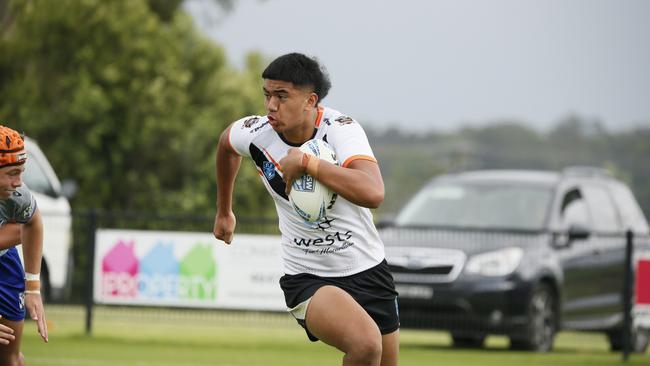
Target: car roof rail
x=586 y=171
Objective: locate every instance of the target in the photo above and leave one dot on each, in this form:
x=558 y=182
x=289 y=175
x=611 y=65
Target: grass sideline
x=164 y=337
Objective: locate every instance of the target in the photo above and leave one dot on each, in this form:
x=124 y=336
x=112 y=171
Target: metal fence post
x=90 y=281
x=627 y=295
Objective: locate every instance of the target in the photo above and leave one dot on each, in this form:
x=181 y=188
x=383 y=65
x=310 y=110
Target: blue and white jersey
x=346 y=241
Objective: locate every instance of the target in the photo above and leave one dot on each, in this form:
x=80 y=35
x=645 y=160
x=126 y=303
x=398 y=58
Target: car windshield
x=490 y=205
x=35 y=177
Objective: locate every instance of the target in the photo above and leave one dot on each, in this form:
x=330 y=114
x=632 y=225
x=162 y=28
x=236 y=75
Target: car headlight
x=497 y=263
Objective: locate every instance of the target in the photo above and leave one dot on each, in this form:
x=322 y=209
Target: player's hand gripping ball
x=310 y=198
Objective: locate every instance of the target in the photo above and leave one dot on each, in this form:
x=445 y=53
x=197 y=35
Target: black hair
x=300 y=70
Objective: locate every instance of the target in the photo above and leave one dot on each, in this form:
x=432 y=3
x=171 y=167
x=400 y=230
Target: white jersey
x=346 y=241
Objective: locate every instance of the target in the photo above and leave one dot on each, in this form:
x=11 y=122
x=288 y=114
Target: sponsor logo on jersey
x=259 y=127
x=250 y=122
x=330 y=239
x=269 y=170
x=26 y=213
x=344 y=120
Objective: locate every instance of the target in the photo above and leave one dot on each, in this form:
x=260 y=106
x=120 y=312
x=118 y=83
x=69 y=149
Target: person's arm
x=32 y=239
x=360 y=183
x=228 y=162
x=9 y=235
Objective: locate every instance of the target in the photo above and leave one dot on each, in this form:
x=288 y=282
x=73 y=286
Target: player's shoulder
x=332 y=118
x=21 y=202
x=250 y=121
x=21 y=194
x=253 y=125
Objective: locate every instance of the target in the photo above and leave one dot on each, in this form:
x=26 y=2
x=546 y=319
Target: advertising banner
x=641 y=307
x=184 y=269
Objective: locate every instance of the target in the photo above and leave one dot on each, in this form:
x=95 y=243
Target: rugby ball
x=310 y=198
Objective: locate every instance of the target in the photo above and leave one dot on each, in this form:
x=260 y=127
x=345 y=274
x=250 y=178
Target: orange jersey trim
x=357 y=157
x=319 y=117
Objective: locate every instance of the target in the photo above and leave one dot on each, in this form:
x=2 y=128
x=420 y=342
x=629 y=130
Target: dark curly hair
x=300 y=70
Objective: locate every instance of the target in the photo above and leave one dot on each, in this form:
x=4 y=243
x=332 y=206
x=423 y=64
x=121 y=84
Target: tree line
x=408 y=160
x=128 y=99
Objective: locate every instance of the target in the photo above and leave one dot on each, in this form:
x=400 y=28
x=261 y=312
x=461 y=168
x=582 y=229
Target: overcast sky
x=445 y=63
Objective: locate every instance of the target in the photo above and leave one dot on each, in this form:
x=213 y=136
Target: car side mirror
x=578 y=232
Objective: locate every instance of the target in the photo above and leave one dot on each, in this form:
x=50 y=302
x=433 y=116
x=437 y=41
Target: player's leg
x=338 y=320
x=390 y=349
x=12 y=305
x=10 y=354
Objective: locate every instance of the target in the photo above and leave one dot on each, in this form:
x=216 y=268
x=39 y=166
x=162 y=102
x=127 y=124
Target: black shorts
x=373 y=289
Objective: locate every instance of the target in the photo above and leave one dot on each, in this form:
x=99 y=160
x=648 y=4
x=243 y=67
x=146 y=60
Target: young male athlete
x=336 y=283
x=19 y=289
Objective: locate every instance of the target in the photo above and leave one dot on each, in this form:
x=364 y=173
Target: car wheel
x=541 y=323
x=639 y=344
x=468 y=341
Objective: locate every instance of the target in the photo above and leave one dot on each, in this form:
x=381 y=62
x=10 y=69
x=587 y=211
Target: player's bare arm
x=228 y=162
x=360 y=183
x=32 y=239
x=9 y=235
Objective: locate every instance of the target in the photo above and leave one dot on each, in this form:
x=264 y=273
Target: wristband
x=36 y=292
x=32 y=286
x=312 y=166
x=32 y=276
x=305 y=160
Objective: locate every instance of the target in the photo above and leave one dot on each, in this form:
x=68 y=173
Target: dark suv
x=520 y=253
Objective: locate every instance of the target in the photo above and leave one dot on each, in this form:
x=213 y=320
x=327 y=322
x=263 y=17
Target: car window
x=35 y=177
x=601 y=207
x=631 y=214
x=478 y=205
x=573 y=210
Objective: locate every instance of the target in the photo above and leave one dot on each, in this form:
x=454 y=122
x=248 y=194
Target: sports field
x=148 y=337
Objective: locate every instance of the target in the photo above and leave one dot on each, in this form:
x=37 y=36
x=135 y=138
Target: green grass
x=148 y=337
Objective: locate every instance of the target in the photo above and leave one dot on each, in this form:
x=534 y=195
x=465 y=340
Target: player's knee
x=366 y=350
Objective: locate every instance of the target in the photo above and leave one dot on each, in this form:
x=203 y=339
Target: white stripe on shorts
x=300 y=310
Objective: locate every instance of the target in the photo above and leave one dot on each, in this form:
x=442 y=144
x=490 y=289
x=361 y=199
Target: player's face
x=287 y=106
x=10 y=179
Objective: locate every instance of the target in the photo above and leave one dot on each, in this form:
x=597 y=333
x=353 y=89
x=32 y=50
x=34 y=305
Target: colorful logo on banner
x=159 y=274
